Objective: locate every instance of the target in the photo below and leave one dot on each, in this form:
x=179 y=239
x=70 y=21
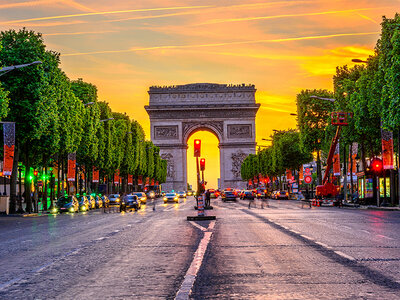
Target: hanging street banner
x=9 y=147
x=152 y=181
x=116 y=177
x=96 y=175
x=387 y=149
x=301 y=173
x=71 y=166
x=336 y=161
x=140 y=180
x=352 y=159
x=130 y=179
x=147 y=181
x=288 y=174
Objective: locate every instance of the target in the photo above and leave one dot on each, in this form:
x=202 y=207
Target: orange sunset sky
x=125 y=46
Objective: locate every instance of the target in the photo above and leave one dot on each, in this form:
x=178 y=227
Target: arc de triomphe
x=228 y=111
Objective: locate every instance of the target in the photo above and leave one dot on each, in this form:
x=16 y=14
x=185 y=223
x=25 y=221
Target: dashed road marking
x=384 y=236
x=340 y=253
x=190 y=277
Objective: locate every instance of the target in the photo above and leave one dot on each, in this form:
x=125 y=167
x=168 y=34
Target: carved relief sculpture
x=237 y=159
x=239 y=131
x=166 y=132
x=170 y=164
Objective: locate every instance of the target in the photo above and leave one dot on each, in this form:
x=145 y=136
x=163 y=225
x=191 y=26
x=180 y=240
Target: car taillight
x=287 y=194
x=278 y=193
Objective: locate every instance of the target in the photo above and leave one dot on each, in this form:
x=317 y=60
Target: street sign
x=307 y=171
x=307 y=179
x=40 y=183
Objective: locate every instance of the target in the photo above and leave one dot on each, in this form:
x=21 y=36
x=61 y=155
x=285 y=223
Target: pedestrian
x=264 y=200
x=252 y=200
x=208 y=198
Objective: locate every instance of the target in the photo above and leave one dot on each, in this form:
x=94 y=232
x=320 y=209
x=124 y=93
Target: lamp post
x=20 y=209
x=11 y=68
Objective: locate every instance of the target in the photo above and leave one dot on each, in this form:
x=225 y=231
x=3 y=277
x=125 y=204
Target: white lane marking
x=101 y=238
x=198 y=226
x=384 y=236
x=323 y=245
x=366 y=231
x=344 y=255
x=306 y=237
x=8 y=283
x=190 y=277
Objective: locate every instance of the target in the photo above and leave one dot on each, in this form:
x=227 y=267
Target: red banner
x=130 y=179
x=387 y=149
x=336 y=161
x=250 y=182
x=352 y=159
x=9 y=146
x=96 y=175
x=152 y=181
x=116 y=177
x=288 y=174
x=157 y=183
x=71 y=166
x=301 y=173
x=147 y=181
x=140 y=180
x=267 y=180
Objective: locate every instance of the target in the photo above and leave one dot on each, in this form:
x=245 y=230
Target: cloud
x=80 y=33
x=105 y=13
x=223 y=43
x=70 y=3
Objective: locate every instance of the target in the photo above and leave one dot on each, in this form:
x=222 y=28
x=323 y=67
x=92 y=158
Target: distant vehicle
x=280 y=195
x=212 y=193
x=171 y=197
x=84 y=203
x=141 y=196
x=190 y=193
x=98 y=201
x=129 y=202
x=92 y=202
x=66 y=204
x=228 y=196
x=261 y=193
x=181 y=194
x=114 y=199
x=151 y=194
x=248 y=195
x=106 y=201
x=163 y=193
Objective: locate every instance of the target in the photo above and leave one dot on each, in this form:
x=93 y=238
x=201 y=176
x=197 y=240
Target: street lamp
x=105 y=120
x=11 y=68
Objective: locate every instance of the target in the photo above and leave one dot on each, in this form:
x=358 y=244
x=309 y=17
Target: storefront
x=366 y=192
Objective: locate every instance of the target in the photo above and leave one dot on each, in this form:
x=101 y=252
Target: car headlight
x=176 y=198
x=54 y=210
x=143 y=198
x=165 y=198
x=118 y=200
x=71 y=209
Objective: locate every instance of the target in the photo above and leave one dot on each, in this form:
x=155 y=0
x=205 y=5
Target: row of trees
x=56 y=116
x=370 y=91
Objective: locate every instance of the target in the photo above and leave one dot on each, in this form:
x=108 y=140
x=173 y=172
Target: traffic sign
x=307 y=171
x=40 y=183
x=307 y=179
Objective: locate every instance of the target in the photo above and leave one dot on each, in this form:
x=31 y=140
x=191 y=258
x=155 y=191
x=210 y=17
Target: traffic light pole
x=378 y=192
x=198 y=175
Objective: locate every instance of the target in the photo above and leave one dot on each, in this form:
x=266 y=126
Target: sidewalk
x=372 y=207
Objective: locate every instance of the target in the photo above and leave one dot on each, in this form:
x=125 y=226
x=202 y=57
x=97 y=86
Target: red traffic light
x=197 y=147
x=202 y=164
x=377 y=165
x=35 y=173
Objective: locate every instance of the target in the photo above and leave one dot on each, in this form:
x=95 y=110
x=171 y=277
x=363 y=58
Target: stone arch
x=227 y=111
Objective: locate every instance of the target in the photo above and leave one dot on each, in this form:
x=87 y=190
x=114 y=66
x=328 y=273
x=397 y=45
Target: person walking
x=208 y=198
x=264 y=200
x=252 y=200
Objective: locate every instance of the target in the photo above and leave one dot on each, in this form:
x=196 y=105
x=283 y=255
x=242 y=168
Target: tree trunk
x=13 y=181
x=44 y=194
x=27 y=185
x=344 y=173
x=351 y=169
x=63 y=177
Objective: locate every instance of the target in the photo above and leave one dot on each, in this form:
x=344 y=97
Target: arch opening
x=210 y=151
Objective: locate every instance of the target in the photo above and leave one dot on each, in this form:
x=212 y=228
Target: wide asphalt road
x=280 y=252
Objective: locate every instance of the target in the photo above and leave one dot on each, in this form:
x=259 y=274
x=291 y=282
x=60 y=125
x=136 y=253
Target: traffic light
x=377 y=165
x=35 y=173
x=202 y=164
x=197 y=147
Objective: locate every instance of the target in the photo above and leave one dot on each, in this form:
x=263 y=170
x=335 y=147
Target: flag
x=71 y=166
x=301 y=173
x=387 y=149
x=352 y=159
x=336 y=161
x=9 y=147
x=140 y=180
x=116 y=177
x=288 y=174
x=152 y=181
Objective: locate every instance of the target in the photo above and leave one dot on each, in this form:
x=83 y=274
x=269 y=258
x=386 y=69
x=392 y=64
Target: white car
x=171 y=197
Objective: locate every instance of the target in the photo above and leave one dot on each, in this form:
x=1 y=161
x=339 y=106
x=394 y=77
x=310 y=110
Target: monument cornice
x=201 y=107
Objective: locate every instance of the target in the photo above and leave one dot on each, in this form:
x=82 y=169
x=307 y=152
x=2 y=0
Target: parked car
x=114 y=199
x=106 y=201
x=181 y=194
x=171 y=197
x=142 y=197
x=129 y=202
x=228 y=196
x=84 y=203
x=66 y=204
x=98 y=201
x=248 y=195
x=92 y=202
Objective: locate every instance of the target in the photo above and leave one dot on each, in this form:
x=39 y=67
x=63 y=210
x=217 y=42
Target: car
x=228 y=196
x=248 y=195
x=84 y=203
x=114 y=199
x=129 y=202
x=282 y=195
x=106 y=201
x=190 y=193
x=212 y=193
x=181 y=194
x=142 y=196
x=66 y=204
x=151 y=194
x=92 y=202
x=163 y=193
x=261 y=193
x=171 y=197
x=98 y=201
